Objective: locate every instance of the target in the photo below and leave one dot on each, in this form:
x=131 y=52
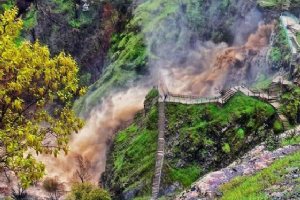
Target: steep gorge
x=195 y=48
x=184 y=49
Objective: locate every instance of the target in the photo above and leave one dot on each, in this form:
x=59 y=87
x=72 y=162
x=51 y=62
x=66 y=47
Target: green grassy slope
x=254 y=187
x=131 y=164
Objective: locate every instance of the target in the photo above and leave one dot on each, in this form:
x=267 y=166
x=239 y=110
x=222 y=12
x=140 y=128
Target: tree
x=87 y=191
x=36 y=94
x=83 y=169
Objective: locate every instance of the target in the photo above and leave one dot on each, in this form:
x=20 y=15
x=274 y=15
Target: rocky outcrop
x=85 y=34
x=258 y=158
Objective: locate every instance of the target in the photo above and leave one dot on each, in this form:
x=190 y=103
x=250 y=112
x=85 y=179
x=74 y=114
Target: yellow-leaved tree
x=36 y=93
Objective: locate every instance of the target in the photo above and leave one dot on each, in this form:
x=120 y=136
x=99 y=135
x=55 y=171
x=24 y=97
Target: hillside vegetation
x=199 y=138
x=279 y=4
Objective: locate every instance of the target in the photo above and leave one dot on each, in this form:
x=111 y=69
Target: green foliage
x=186 y=176
x=226 y=148
x=280 y=52
x=85 y=79
x=152 y=94
x=31 y=80
x=30 y=20
x=240 y=133
x=291 y=104
x=86 y=191
x=252 y=187
x=83 y=20
x=64 y=6
x=298 y=37
x=7 y=5
x=194 y=12
x=279 y=4
x=293 y=140
x=151 y=14
x=276 y=54
x=128 y=55
x=75 y=17
x=133 y=156
x=263 y=82
x=209 y=133
x=278 y=127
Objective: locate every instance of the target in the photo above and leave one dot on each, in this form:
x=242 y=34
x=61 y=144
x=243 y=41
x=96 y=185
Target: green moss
x=240 y=133
x=30 y=20
x=291 y=104
x=291 y=141
x=279 y=4
x=64 y=6
x=83 y=20
x=262 y=82
x=133 y=156
x=7 y=5
x=298 y=37
x=152 y=94
x=226 y=148
x=252 y=187
x=280 y=53
x=278 y=127
x=186 y=175
x=275 y=54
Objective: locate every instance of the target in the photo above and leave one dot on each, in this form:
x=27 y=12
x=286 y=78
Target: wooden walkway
x=160 y=151
x=165 y=96
x=186 y=99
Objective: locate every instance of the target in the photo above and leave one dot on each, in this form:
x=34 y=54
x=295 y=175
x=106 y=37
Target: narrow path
x=256 y=159
x=186 y=99
x=160 y=151
x=273 y=100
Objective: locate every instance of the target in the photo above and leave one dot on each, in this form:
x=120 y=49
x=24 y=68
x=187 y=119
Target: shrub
x=240 y=133
x=87 y=191
x=53 y=187
x=226 y=148
x=277 y=127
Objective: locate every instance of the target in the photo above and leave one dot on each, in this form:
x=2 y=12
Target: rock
x=277 y=194
x=171 y=189
x=208 y=186
x=292 y=169
x=130 y=194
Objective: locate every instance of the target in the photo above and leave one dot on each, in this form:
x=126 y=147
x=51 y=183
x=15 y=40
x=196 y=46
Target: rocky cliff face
x=85 y=34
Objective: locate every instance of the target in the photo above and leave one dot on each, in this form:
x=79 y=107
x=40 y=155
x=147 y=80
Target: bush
x=277 y=127
x=226 y=148
x=87 y=191
x=240 y=133
x=53 y=187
